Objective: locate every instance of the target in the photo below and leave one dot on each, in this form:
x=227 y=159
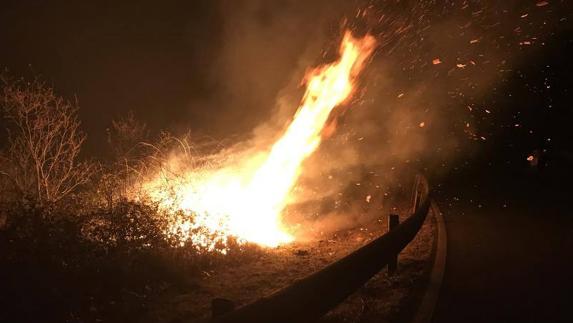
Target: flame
x=245 y=200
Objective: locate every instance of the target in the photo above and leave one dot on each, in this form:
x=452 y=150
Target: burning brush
x=245 y=199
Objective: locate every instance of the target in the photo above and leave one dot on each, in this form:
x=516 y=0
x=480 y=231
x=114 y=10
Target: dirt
x=259 y=272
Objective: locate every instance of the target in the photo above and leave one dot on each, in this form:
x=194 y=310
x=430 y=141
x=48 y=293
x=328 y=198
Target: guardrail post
x=417 y=195
x=393 y=222
x=417 y=200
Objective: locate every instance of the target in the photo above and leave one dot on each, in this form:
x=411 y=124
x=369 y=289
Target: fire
x=245 y=198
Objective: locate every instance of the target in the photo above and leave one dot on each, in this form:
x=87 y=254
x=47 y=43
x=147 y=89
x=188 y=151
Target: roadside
x=510 y=236
x=383 y=299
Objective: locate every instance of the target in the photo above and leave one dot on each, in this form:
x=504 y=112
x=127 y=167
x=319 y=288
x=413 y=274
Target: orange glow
x=245 y=198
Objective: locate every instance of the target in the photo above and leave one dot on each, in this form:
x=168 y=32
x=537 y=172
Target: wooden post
x=417 y=197
x=393 y=222
x=416 y=200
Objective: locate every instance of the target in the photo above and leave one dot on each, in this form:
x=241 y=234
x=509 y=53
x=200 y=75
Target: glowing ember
x=245 y=199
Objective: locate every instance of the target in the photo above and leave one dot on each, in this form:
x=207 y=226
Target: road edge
x=425 y=311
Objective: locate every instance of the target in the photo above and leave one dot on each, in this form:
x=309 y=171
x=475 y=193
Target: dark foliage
x=103 y=265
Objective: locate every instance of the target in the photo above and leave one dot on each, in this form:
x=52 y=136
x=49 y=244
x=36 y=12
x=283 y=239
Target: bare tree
x=44 y=141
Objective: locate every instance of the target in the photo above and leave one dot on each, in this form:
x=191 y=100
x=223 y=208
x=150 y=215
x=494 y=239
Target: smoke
x=265 y=47
x=420 y=107
x=424 y=104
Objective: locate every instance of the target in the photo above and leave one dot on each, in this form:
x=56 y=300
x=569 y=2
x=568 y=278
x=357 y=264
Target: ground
x=51 y=273
x=383 y=299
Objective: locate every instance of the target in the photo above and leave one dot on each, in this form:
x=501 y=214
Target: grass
x=113 y=265
x=259 y=272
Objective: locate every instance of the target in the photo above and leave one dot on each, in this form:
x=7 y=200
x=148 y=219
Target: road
x=510 y=247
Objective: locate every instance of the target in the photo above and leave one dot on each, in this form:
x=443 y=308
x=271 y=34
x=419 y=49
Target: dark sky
x=114 y=55
x=165 y=60
x=216 y=67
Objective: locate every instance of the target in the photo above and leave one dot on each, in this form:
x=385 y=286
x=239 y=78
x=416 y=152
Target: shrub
x=44 y=141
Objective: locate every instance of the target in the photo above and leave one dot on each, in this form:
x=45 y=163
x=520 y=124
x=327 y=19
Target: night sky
x=177 y=64
x=114 y=56
x=218 y=67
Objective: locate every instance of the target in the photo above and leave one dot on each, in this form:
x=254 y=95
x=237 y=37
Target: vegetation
x=73 y=246
x=44 y=141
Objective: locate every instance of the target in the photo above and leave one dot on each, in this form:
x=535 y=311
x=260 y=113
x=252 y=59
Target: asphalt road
x=510 y=247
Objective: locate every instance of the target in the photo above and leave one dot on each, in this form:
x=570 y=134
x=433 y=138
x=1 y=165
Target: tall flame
x=245 y=200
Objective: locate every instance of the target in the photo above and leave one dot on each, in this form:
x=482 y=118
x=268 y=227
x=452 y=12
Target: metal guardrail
x=308 y=299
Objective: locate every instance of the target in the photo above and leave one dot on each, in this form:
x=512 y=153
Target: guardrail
x=310 y=298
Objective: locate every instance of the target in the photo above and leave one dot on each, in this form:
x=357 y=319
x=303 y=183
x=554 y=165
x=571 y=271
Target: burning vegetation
x=167 y=217
x=160 y=208
x=157 y=201
x=245 y=196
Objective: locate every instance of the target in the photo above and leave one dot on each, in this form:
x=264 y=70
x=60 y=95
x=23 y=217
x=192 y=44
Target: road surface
x=510 y=247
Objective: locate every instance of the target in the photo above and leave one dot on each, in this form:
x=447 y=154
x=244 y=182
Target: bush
x=66 y=265
x=44 y=141
x=73 y=247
